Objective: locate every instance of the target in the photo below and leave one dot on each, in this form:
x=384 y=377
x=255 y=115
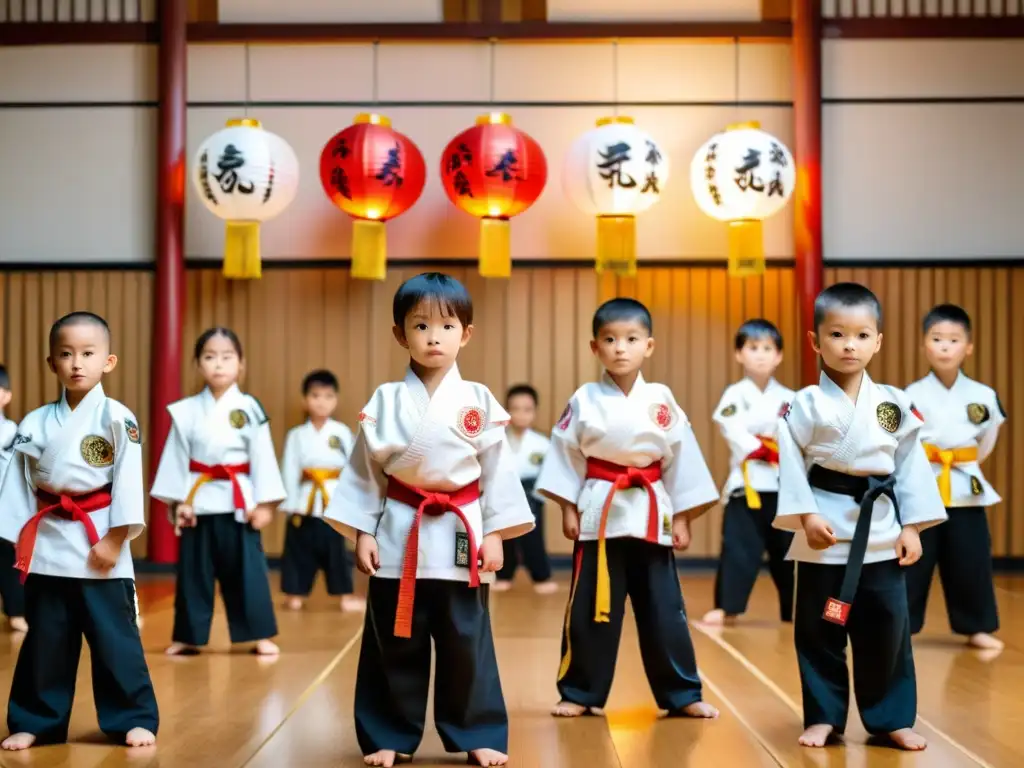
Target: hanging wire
x=615 y=78
x=736 y=75
x=376 y=72
x=248 y=83
x=493 y=75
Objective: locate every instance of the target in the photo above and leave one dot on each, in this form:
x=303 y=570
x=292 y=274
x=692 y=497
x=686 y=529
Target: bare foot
x=18 y=624
x=385 y=757
x=266 y=648
x=487 y=757
x=139 y=737
x=697 y=709
x=568 y=709
x=293 y=604
x=180 y=649
x=982 y=640
x=816 y=735
x=909 y=739
x=501 y=585
x=545 y=587
x=715 y=617
x=18 y=741
x=353 y=603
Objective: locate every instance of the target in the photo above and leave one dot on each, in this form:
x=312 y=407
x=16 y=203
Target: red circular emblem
x=662 y=415
x=784 y=411
x=471 y=421
x=565 y=418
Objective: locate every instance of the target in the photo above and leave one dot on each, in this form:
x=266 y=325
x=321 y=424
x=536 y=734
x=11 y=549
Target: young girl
x=411 y=499
x=219 y=475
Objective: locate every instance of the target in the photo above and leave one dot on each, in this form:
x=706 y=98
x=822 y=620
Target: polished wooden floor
x=223 y=709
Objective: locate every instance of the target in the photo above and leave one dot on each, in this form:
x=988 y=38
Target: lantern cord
x=376 y=72
x=615 y=78
x=248 y=93
x=736 y=67
x=493 y=76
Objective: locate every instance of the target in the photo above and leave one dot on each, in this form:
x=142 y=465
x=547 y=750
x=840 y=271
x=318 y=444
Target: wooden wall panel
x=533 y=328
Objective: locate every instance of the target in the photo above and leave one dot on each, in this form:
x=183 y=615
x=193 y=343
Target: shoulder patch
x=21 y=438
x=132 y=429
x=729 y=410
x=364 y=416
x=978 y=413
x=889 y=416
x=260 y=411
x=471 y=421
x=662 y=415
x=784 y=411
x=566 y=418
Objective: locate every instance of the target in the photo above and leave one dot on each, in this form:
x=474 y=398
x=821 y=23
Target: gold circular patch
x=889 y=416
x=536 y=459
x=97 y=452
x=729 y=410
x=238 y=418
x=334 y=443
x=977 y=413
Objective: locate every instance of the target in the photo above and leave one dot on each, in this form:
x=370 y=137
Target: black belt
x=865 y=490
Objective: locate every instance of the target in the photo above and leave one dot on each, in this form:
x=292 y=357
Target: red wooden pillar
x=169 y=281
x=807 y=153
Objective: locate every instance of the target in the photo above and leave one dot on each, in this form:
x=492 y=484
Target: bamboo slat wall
x=534 y=327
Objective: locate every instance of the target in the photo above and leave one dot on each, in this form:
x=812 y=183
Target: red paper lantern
x=494 y=171
x=373 y=173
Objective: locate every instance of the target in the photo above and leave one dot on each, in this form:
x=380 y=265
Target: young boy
x=11 y=591
x=314 y=455
x=855 y=485
x=626 y=469
x=961 y=423
x=748 y=415
x=411 y=499
x=529 y=448
x=72 y=500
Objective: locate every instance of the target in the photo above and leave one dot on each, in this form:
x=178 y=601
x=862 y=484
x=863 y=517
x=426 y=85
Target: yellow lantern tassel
x=616 y=245
x=495 y=248
x=746 y=248
x=369 y=250
x=242 y=250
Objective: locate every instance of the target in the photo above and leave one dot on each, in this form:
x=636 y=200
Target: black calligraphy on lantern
x=506 y=167
x=610 y=167
x=339 y=180
x=651 y=184
x=461 y=155
x=461 y=184
x=229 y=162
x=270 y=183
x=653 y=154
x=775 y=185
x=709 y=172
x=715 y=194
x=204 y=175
x=389 y=172
x=745 y=176
x=341 y=149
x=712 y=154
x=776 y=156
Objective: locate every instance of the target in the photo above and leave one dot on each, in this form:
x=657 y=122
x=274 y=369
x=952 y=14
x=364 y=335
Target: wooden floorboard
x=227 y=710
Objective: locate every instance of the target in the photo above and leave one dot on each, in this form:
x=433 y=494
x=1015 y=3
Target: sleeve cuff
x=508 y=525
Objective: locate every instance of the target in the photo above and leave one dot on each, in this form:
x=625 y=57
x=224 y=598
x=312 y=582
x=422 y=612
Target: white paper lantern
x=742 y=176
x=245 y=175
x=614 y=172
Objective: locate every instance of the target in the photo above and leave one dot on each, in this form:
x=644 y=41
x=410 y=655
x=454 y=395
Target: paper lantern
x=743 y=176
x=373 y=173
x=614 y=172
x=494 y=171
x=245 y=175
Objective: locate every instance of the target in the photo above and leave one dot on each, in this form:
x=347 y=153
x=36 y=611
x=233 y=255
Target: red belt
x=219 y=472
x=621 y=478
x=434 y=504
x=65 y=506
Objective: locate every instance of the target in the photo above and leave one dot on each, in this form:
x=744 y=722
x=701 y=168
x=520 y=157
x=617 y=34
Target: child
x=314 y=455
x=529 y=448
x=855 y=485
x=626 y=469
x=748 y=416
x=72 y=500
x=961 y=422
x=219 y=475
x=410 y=498
x=11 y=591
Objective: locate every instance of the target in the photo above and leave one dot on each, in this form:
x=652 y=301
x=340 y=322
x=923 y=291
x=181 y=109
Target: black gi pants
x=311 y=545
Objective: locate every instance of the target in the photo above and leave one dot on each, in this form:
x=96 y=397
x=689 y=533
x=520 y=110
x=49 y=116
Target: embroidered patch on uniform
x=462 y=549
x=661 y=415
x=536 y=459
x=889 y=416
x=666 y=526
x=133 y=431
x=334 y=443
x=97 y=452
x=729 y=410
x=978 y=413
x=238 y=418
x=19 y=439
x=566 y=418
x=366 y=417
x=471 y=421
x=784 y=410
x=976 y=489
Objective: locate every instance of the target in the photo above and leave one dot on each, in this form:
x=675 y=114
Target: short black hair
x=758 y=328
x=5 y=379
x=846 y=296
x=947 y=313
x=620 y=310
x=319 y=378
x=449 y=294
x=77 y=318
x=210 y=333
x=522 y=389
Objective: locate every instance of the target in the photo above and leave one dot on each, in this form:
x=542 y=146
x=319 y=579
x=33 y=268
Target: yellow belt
x=949 y=458
x=319 y=477
x=753 y=497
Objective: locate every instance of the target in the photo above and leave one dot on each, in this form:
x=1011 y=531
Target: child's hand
x=103 y=556
x=680 y=532
x=367 y=556
x=492 y=553
x=184 y=517
x=908 y=545
x=571 y=522
x=819 y=533
x=261 y=516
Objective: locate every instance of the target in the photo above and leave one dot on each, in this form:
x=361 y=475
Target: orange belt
x=65 y=506
x=768 y=452
x=319 y=477
x=621 y=478
x=434 y=504
x=949 y=459
x=219 y=472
